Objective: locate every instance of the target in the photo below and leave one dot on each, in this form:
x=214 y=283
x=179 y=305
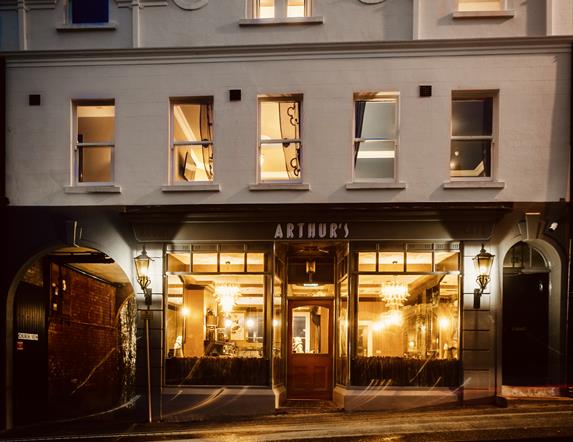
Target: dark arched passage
x=73 y=336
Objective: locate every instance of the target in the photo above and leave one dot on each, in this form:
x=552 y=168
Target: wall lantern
x=482 y=262
x=142 y=269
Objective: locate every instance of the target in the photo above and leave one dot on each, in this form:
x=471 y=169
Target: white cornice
x=353 y=50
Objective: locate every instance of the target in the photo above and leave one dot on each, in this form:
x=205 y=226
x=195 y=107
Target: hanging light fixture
x=483 y=262
x=226 y=295
x=394 y=293
x=142 y=270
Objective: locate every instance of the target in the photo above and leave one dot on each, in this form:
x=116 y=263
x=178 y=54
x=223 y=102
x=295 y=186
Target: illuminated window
x=192 y=140
x=472 y=136
x=280 y=9
x=375 y=137
x=89 y=12
x=279 y=139
x=409 y=308
x=94 y=141
x=481 y=5
x=215 y=315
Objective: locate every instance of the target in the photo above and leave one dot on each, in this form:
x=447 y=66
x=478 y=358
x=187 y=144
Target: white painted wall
x=164 y=24
x=534 y=116
x=437 y=21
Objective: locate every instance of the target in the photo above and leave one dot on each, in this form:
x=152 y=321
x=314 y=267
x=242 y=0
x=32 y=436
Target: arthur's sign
x=311 y=231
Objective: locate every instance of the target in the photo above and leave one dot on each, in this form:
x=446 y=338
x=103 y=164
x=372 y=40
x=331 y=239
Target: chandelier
x=226 y=295
x=394 y=293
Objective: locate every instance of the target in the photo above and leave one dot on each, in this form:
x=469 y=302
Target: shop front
x=259 y=312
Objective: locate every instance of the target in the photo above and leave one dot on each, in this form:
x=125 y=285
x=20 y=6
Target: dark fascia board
x=304 y=212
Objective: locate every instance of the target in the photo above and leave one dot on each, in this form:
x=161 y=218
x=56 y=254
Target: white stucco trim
x=92 y=189
x=506 y=13
x=375 y=186
x=75 y=27
x=317 y=51
x=280 y=186
x=316 y=20
x=190 y=5
x=474 y=185
x=192 y=187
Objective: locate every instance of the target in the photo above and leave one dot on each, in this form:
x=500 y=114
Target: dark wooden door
x=525 y=329
x=309 y=364
x=30 y=354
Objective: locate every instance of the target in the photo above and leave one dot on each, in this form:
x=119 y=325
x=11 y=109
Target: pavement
x=517 y=420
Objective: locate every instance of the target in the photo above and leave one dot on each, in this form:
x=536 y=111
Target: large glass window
x=375 y=136
x=279 y=139
x=94 y=141
x=192 y=140
x=408 y=315
x=215 y=300
x=472 y=136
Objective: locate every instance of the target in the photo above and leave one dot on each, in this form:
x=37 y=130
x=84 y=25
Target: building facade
x=313 y=181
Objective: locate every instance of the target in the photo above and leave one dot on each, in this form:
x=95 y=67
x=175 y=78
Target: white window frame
x=378 y=96
x=173 y=144
x=77 y=145
x=280 y=9
x=275 y=98
x=477 y=95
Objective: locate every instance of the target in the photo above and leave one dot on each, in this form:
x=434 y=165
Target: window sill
x=474 y=185
x=92 y=189
x=279 y=186
x=195 y=187
x=318 y=20
x=73 y=27
x=374 y=186
x=506 y=13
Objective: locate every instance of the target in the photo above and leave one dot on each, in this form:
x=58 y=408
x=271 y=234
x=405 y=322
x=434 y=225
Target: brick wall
x=34 y=274
x=83 y=371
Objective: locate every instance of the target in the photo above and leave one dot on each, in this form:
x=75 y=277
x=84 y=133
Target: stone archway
x=72 y=337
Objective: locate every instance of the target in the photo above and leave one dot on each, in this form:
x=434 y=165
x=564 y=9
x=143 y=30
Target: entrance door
x=30 y=354
x=309 y=364
x=525 y=329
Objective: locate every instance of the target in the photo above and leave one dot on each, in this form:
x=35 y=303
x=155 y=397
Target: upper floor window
x=375 y=136
x=482 y=5
x=89 y=11
x=94 y=141
x=279 y=139
x=192 y=140
x=472 y=135
x=281 y=8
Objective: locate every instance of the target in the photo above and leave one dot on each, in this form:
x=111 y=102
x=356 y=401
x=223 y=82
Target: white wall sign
x=27 y=336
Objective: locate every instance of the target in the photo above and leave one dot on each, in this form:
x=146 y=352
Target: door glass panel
x=310 y=329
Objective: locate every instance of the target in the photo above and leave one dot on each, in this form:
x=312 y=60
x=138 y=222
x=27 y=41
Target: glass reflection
x=310 y=329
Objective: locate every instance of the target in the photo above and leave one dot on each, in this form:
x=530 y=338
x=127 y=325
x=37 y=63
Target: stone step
x=307 y=407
